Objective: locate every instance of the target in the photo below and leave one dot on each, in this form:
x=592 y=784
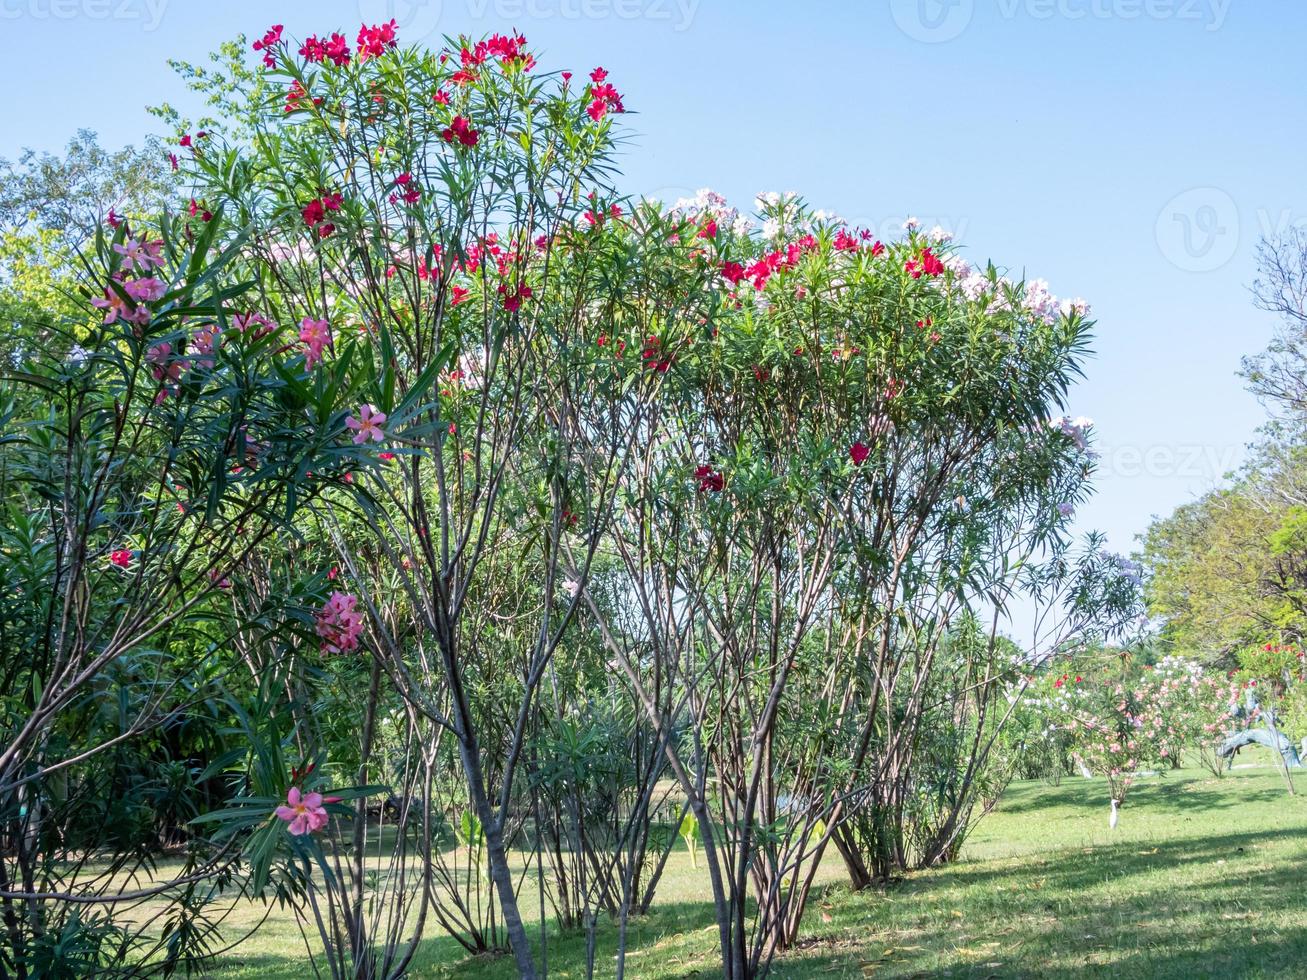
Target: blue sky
x=1129 y=151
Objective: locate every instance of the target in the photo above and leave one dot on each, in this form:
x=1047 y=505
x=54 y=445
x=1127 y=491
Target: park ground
x=1202 y=877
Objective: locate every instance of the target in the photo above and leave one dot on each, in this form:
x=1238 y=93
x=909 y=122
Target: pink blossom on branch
x=304 y=812
x=367 y=425
x=339 y=623
x=316 y=337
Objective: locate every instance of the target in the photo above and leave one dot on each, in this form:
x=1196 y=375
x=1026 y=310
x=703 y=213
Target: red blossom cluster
x=927 y=264
x=710 y=480
x=296 y=97
x=510 y=50
x=460 y=131
x=597 y=217
x=761 y=271
x=316 y=211
x=409 y=194
x=513 y=297
x=655 y=357
x=603 y=97
x=266 y=43
x=376 y=40
x=334 y=49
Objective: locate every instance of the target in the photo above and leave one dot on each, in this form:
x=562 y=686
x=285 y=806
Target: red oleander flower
x=266 y=43
x=376 y=40
x=710 y=481
x=928 y=264
x=461 y=130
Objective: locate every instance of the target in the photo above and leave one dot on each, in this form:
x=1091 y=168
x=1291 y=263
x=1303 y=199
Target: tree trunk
x=1260 y=736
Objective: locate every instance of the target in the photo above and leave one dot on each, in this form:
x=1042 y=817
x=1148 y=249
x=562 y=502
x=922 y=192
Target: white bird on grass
x=1111 y=821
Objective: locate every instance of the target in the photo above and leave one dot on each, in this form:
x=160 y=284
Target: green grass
x=1202 y=878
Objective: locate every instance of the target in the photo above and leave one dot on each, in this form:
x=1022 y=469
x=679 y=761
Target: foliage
x=411 y=497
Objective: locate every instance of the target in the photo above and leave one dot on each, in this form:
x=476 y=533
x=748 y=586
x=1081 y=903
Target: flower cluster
x=1077 y=429
x=1031 y=298
x=316 y=211
x=376 y=40
x=603 y=97
x=297 y=97
x=710 y=480
x=1120 y=727
x=927 y=263
x=460 y=131
x=339 y=623
x=132 y=284
x=266 y=44
x=316 y=337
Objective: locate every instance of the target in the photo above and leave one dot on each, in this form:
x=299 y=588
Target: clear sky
x=1129 y=151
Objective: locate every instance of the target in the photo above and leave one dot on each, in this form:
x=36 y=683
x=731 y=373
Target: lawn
x=1203 y=877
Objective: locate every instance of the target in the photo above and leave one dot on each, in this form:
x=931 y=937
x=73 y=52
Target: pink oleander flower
x=144 y=290
x=367 y=425
x=316 y=336
x=114 y=306
x=927 y=264
x=139 y=255
x=261 y=324
x=339 y=623
x=121 y=557
x=859 y=452
x=304 y=812
x=603 y=97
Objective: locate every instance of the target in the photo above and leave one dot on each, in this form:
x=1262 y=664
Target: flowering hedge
x=472 y=451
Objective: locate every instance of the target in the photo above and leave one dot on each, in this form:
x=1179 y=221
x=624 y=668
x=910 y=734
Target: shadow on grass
x=1278 y=957
x=1229 y=904
x=1093 y=912
x=1078 y=868
x=1159 y=793
x=1120 y=910
x=1202 y=908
